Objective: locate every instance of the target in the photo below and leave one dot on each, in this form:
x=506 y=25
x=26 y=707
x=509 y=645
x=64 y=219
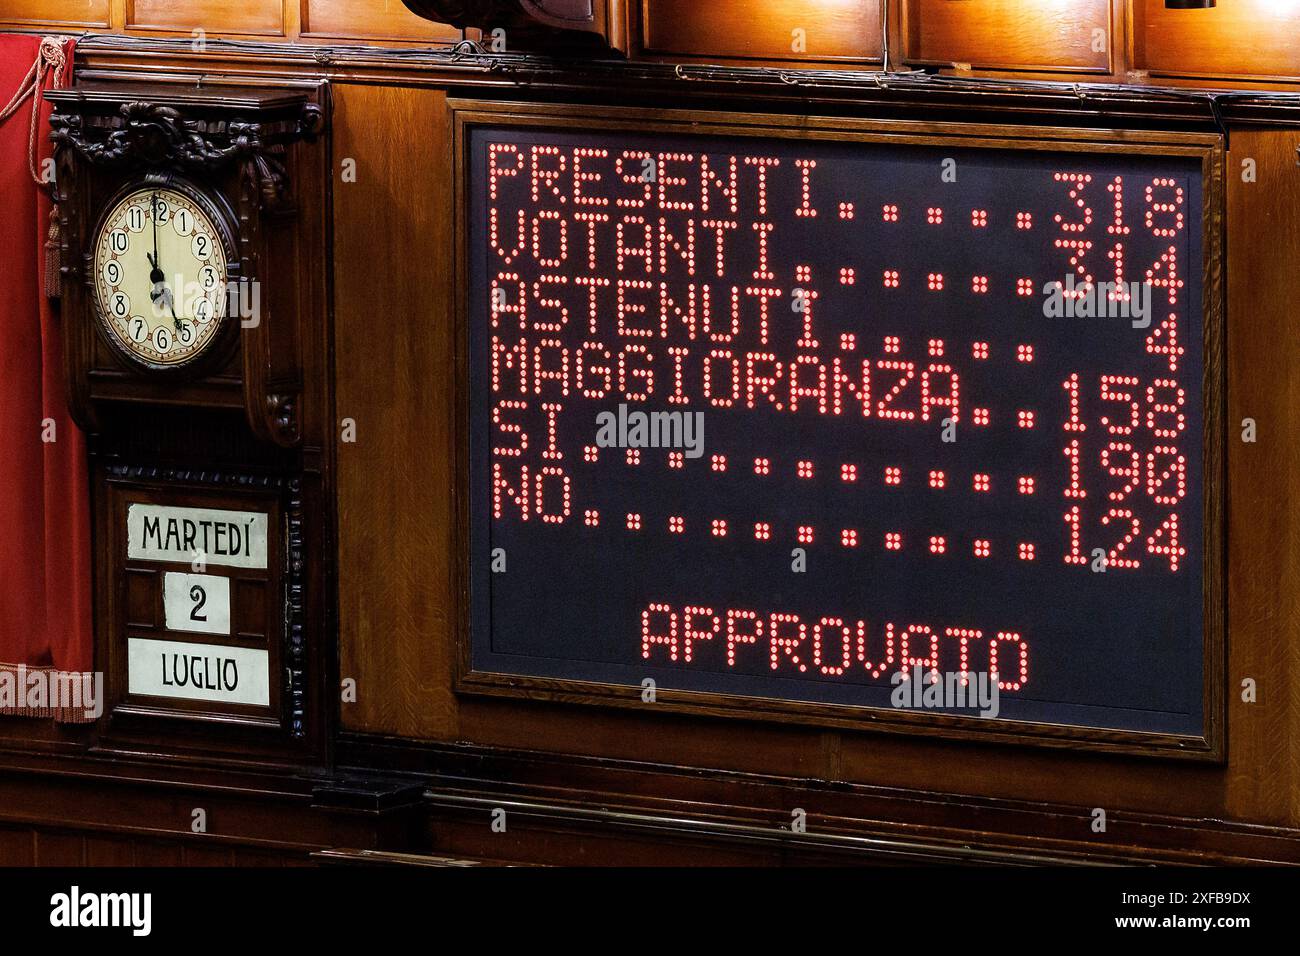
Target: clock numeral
x=182 y=222
x=112 y=272
x=139 y=329
x=135 y=218
x=208 y=278
x=118 y=241
x=161 y=213
x=162 y=339
x=185 y=334
x=201 y=246
x=202 y=311
x=119 y=304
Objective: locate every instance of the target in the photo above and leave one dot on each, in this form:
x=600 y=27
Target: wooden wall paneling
x=1244 y=39
x=245 y=857
x=376 y=22
x=845 y=32
x=17 y=846
x=1264 y=527
x=155 y=853
x=1012 y=35
x=542 y=842
x=109 y=851
x=60 y=849
x=52 y=809
x=369 y=19
x=39 y=846
x=666 y=739
x=639 y=800
x=845 y=757
x=61 y=14
x=394 y=346
x=1079 y=781
x=1241 y=38
x=245 y=17
x=207 y=855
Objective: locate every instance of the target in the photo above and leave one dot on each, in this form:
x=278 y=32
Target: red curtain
x=45 y=610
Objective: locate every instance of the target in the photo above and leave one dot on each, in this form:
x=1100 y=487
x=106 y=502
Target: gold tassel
x=53 y=270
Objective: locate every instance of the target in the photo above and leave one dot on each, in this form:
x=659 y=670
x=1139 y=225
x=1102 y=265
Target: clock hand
x=156 y=279
x=153 y=214
x=156 y=275
x=160 y=290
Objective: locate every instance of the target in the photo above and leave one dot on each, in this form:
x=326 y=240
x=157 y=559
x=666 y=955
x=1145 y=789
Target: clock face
x=160 y=276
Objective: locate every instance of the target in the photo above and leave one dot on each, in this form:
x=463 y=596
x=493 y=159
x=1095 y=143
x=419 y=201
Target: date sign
x=196 y=610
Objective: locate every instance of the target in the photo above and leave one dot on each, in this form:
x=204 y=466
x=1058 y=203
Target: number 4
x=1163 y=340
x=1164 y=542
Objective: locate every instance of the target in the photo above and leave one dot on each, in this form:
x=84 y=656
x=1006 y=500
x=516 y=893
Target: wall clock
x=162 y=264
x=188 y=276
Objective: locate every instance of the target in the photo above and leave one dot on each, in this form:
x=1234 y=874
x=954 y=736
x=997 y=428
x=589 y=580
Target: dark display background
x=1120 y=649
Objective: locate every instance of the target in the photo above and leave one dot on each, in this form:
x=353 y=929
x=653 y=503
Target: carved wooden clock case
x=193 y=228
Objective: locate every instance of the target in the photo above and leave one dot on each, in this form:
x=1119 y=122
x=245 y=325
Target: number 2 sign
x=199 y=603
